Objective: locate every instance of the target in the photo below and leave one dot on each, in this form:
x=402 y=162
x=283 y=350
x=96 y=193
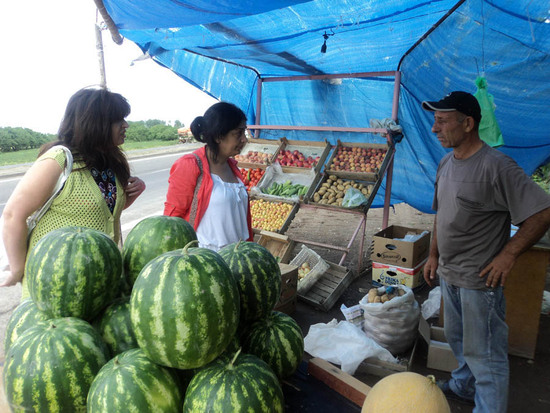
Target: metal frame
x=386 y=169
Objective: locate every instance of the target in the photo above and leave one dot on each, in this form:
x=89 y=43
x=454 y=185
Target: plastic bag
x=489 y=130
x=430 y=307
x=393 y=324
x=344 y=344
x=353 y=198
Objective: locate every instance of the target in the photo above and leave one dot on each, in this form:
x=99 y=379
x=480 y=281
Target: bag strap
x=33 y=220
x=194 y=203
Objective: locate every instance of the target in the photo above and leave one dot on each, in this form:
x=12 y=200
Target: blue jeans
x=476 y=330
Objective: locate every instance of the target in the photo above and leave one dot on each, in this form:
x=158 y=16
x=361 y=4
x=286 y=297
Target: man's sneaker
x=451 y=395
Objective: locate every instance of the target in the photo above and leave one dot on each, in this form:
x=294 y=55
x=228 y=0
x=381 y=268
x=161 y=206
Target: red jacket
x=181 y=187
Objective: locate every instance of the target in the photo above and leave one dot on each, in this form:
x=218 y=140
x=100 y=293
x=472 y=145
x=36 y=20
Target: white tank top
x=224 y=221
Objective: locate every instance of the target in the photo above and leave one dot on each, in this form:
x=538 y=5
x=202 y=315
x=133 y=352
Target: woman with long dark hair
x=95 y=193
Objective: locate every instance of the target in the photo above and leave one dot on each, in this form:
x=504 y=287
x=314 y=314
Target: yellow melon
x=404 y=393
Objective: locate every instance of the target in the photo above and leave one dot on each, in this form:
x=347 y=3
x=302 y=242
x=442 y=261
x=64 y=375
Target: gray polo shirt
x=476 y=199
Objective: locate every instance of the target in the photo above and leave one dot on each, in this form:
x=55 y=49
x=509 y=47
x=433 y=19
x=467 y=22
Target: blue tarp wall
x=224 y=47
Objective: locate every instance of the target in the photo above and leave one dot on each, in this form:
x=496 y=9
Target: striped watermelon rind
x=23 y=317
x=185 y=308
x=152 y=237
x=258 y=275
x=237 y=383
x=115 y=326
x=131 y=382
x=74 y=272
x=51 y=366
x=278 y=341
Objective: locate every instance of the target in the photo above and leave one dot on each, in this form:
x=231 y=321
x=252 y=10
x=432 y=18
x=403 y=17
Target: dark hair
x=86 y=130
x=218 y=120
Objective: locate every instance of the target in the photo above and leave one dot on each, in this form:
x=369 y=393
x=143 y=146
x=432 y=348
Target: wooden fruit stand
x=333 y=287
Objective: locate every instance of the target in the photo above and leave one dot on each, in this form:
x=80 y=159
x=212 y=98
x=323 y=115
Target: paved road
x=153 y=166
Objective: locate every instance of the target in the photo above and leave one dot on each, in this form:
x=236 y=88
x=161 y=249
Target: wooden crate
x=307 y=148
x=268 y=146
x=328 y=289
x=322 y=178
x=289 y=284
x=278 y=244
x=364 y=176
x=276 y=174
x=288 y=220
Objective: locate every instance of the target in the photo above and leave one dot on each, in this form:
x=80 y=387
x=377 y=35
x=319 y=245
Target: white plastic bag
x=344 y=344
x=353 y=198
x=430 y=307
x=393 y=324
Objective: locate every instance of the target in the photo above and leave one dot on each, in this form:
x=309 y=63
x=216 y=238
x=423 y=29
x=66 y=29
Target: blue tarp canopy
x=225 y=47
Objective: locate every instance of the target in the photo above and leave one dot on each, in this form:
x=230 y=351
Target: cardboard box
x=386 y=274
x=440 y=355
x=289 y=287
x=388 y=248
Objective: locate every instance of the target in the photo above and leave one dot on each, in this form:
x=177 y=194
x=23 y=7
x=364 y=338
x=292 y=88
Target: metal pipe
x=115 y=35
x=332 y=76
x=319 y=128
x=258 y=106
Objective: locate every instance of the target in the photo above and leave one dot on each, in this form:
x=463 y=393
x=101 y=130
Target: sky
x=49 y=52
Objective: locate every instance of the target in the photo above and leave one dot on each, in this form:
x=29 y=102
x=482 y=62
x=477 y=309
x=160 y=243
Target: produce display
x=296 y=158
x=150 y=238
x=254 y=157
x=184 y=324
x=268 y=215
x=258 y=276
x=333 y=190
x=25 y=316
x=357 y=159
x=277 y=340
x=286 y=189
x=115 y=326
x=415 y=393
x=383 y=294
x=74 y=272
x=131 y=382
x=235 y=383
x=51 y=366
x=251 y=176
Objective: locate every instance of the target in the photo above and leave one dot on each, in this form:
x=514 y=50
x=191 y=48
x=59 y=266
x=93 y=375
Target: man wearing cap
x=479 y=191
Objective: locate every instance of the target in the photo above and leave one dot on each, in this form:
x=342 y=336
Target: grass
x=29 y=155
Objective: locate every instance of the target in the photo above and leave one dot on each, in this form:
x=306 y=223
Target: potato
x=333 y=177
x=316 y=198
x=384 y=298
x=377 y=299
x=401 y=292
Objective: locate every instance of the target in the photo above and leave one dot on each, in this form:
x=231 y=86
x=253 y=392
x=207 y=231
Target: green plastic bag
x=488 y=127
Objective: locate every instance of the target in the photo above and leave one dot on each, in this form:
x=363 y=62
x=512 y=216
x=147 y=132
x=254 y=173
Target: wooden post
x=100 y=56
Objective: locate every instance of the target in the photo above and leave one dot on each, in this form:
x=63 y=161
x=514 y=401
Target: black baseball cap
x=463 y=102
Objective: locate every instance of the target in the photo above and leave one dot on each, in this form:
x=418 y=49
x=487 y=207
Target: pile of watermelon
x=161 y=325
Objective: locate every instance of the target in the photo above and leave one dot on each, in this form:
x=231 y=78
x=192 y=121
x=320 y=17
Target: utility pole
x=100 y=56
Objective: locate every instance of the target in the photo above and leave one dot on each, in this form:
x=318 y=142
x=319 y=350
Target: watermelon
x=241 y=383
x=74 y=272
x=131 y=382
x=185 y=307
x=152 y=237
x=258 y=276
x=25 y=315
x=277 y=340
x=51 y=366
x=115 y=326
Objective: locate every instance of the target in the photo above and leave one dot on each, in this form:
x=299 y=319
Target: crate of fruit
x=357 y=160
x=331 y=191
x=310 y=268
x=252 y=176
x=272 y=216
x=257 y=153
x=278 y=185
x=295 y=156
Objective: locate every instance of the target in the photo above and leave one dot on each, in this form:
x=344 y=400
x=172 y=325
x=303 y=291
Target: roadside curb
x=12 y=171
